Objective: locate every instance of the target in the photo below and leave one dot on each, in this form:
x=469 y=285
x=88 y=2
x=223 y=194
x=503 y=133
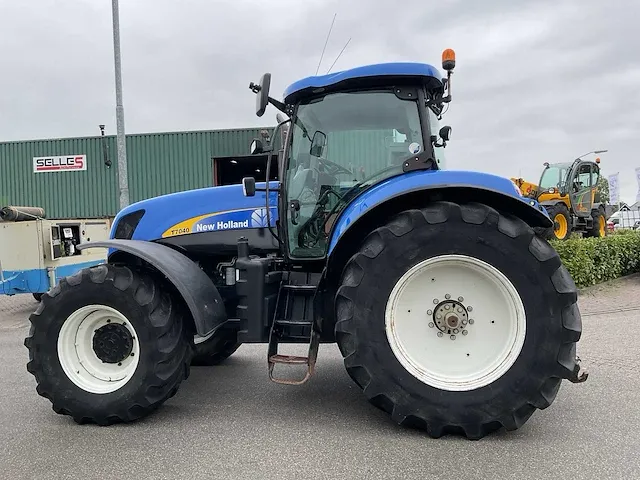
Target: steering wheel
x=332 y=168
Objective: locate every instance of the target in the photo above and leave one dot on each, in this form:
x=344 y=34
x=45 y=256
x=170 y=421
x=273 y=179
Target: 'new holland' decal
x=229 y=220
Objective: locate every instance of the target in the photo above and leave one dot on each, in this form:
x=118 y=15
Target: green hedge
x=595 y=260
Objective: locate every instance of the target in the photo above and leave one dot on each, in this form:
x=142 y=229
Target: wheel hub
x=450 y=317
x=112 y=343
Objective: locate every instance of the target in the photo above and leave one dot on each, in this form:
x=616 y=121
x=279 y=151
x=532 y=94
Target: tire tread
x=171 y=360
x=407 y=412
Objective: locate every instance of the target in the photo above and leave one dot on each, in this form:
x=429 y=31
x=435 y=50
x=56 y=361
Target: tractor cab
x=347 y=132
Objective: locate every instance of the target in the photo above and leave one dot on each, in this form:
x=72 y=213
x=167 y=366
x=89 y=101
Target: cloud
x=535 y=81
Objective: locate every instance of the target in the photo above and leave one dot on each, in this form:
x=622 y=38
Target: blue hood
x=205 y=209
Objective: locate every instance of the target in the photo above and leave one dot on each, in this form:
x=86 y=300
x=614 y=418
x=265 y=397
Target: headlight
x=127 y=225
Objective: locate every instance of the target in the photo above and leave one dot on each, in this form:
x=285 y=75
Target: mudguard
x=481 y=186
x=195 y=287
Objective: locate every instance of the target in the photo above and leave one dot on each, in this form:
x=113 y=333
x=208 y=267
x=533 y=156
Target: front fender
x=455 y=184
x=195 y=287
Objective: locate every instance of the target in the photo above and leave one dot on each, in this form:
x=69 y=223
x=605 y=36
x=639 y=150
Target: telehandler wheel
x=108 y=345
x=561 y=219
x=215 y=349
x=599 y=228
x=457 y=319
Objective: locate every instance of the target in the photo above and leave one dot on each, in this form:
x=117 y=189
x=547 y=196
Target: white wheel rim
x=78 y=359
x=495 y=328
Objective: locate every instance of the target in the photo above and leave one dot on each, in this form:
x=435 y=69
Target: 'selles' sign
x=65 y=163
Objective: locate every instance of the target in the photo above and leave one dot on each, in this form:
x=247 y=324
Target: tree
x=603 y=189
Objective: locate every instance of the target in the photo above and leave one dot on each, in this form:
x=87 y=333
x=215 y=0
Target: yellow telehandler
x=569 y=193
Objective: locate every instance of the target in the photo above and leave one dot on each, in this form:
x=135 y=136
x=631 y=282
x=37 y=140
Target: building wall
x=158 y=163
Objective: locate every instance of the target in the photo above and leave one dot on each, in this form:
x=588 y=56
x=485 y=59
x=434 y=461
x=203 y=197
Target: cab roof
x=364 y=76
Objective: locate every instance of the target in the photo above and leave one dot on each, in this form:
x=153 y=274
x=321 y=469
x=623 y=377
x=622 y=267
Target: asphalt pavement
x=230 y=422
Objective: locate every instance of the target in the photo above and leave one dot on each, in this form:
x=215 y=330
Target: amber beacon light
x=448 y=59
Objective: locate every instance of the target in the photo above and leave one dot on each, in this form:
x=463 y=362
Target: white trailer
x=36 y=253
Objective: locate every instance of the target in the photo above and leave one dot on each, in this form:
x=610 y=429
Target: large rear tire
x=599 y=228
x=108 y=345
x=510 y=293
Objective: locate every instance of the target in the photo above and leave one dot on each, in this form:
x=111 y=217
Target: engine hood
x=195 y=211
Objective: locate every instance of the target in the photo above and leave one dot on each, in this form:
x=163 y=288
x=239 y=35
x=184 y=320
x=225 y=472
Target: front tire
x=523 y=336
x=108 y=345
x=561 y=219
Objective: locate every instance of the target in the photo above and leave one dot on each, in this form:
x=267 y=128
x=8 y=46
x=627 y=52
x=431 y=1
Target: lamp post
x=123 y=181
x=596 y=152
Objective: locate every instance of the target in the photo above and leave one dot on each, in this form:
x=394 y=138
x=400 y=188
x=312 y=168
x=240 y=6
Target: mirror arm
x=278 y=104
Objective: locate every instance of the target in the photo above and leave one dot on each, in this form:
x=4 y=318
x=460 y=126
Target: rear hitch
x=579 y=373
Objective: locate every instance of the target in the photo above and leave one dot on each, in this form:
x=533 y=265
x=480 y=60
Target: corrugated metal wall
x=90 y=193
x=365 y=150
x=159 y=163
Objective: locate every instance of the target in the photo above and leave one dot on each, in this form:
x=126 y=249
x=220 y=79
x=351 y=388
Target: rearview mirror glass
x=445 y=133
x=249 y=186
x=318 y=143
x=262 y=97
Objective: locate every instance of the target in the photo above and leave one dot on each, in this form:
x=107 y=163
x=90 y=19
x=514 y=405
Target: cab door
x=582 y=189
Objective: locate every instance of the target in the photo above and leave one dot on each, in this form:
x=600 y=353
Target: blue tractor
x=452 y=313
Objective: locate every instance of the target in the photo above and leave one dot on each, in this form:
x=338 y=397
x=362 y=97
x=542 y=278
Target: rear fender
x=417 y=188
x=196 y=288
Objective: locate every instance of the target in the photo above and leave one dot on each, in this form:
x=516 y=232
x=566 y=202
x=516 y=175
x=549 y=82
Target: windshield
x=342 y=143
x=554 y=175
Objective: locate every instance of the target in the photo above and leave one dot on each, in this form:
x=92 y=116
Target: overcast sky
x=535 y=80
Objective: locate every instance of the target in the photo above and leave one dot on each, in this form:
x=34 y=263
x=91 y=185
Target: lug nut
x=459 y=309
x=465 y=332
x=447 y=296
x=460 y=299
x=470 y=309
x=436 y=301
x=455 y=330
x=447 y=307
x=452 y=337
x=429 y=312
x=440 y=334
x=438 y=316
x=464 y=322
x=471 y=321
x=431 y=325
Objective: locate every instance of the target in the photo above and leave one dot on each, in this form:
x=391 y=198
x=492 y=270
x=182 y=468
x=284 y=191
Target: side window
x=595 y=175
x=584 y=176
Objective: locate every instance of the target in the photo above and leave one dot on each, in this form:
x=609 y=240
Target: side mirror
x=318 y=143
x=262 y=92
x=256 y=147
x=249 y=186
x=445 y=133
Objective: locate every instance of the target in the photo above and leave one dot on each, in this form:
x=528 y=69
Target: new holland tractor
x=569 y=193
x=452 y=314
